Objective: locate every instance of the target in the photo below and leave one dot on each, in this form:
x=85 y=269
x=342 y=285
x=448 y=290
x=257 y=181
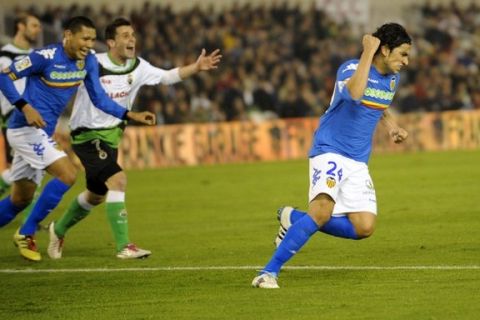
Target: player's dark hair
x=22 y=18
x=111 y=29
x=75 y=24
x=392 y=35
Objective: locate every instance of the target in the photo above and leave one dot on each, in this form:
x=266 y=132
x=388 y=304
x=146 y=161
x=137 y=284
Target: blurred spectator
x=445 y=75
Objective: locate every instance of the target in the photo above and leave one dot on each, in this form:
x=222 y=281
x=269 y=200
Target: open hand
x=205 y=63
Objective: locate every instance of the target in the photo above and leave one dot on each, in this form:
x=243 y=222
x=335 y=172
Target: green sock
x=71 y=217
x=117 y=216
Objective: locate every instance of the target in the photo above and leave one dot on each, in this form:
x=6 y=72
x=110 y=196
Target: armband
x=20 y=104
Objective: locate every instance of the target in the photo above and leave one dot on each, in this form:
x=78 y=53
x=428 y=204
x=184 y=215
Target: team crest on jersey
x=331 y=182
x=130 y=79
x=23 y=64
x=392 y=84
x=80 y=64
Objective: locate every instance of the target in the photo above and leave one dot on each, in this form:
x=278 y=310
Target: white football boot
x=266 y=280
x=283 y=216
x=55 y=244
x=131 y=251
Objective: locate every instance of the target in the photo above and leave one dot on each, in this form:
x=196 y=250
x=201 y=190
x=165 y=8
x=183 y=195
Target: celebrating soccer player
x=96 y=135
x=54 y=73
x=342 y=199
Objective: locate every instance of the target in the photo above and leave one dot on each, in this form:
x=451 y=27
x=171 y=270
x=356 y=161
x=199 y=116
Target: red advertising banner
x=197 y=144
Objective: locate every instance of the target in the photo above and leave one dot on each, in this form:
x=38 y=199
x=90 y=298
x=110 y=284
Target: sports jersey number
x=331 y=171
x=101 y=153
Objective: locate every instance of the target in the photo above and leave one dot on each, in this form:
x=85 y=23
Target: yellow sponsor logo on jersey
x=61 y=84
x=68 y=75
x=379 y=94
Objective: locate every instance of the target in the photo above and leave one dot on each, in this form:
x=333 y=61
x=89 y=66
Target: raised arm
x=358 y=82
x=152 y=75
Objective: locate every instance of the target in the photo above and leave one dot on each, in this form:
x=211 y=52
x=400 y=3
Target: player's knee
x=68 y=177
x=117 y=182
x=94 y=199
x=21 y=200
x=321 y=208
x=364 y=230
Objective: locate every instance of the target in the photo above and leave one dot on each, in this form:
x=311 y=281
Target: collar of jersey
x=21 y=50
x=380 y=74
x=129 y=64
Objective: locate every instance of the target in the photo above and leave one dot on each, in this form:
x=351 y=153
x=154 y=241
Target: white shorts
x=34 y=151
x=347 y=181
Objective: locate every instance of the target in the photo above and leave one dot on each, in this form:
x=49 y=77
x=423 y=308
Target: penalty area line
x=238 y=268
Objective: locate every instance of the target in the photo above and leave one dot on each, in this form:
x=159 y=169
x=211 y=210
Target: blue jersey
x=348 y=125
x=53 y=78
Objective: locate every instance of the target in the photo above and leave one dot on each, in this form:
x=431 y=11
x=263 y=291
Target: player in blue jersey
x=342 y=199
x=27 y=29
x=54 y=74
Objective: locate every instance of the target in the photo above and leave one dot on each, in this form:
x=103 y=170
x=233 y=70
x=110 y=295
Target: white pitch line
x=222 y=268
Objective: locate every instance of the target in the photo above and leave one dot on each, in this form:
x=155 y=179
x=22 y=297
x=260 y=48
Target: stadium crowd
x=280 y=61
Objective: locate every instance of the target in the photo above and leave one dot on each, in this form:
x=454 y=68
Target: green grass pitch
x=423 y=262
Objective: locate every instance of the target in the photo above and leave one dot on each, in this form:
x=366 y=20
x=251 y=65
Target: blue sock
x=46 y=202
x=340 y=227
x=8 y=211
x=296 y=237
x=295 y=215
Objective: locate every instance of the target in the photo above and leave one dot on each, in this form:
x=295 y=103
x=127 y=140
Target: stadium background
x=210 y=227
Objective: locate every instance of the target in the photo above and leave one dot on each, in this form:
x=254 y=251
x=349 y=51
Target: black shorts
x=100 y=162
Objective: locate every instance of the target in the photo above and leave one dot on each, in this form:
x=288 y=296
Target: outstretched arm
x=203 y=63
x=358 y=82
x=398 y=134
